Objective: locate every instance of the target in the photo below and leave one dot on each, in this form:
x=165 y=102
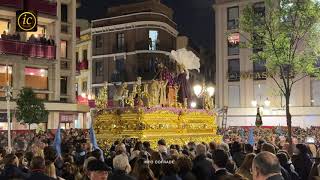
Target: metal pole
x=9 y=123
x=8 y=95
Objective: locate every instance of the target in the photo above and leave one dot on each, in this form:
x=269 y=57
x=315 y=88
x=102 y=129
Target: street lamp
x=193 y=104
x=207 y=93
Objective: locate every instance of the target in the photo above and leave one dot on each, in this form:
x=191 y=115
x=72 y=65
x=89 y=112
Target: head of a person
x=283 y=159
x=96 y=153
x=247 y=162
x=97 y=170
x=212 y=146
x=184 y=164
x=162 y=142
x=49 y=154
x=11 y=159
x=302 y=149
x=259 y=144
x=268 y=147
x=220 y=158
x=235 y=147
x=169 y=168
x=201 y=149
x=248 y=148
x=121 y=162
x=138 y=146
x=224 y=146
x=264 y=165
x=121 y=148
x=146 y=173
x=38 y=163
x=138 y=164
x=85 y=164
x=146 y=145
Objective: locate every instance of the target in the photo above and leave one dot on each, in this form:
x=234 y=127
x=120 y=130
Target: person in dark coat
x=270 y=148
x=11 y=168
x=38 y=169
x=98 y=170
x=266 y=166
x=237 y=155
x=184 y=165
x=284 y=162
x=302 y=161
x=202 y=166
x=220 y=161
x=121 y=168
x=169 y=170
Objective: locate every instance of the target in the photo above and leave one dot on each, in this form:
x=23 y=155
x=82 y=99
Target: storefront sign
x=26 y=21
x=235 y=76
x=67 y=118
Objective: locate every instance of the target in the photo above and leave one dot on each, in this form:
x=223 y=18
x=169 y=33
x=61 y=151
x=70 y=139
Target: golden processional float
x=153 y=111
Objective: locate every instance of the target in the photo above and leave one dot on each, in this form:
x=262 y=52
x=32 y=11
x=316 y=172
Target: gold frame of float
x=175 y=125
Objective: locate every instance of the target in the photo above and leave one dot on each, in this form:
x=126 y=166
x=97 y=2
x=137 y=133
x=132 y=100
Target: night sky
x=194 y=17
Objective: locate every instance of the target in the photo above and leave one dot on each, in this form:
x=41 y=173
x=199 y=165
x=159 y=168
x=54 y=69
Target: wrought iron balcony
x=27 y=49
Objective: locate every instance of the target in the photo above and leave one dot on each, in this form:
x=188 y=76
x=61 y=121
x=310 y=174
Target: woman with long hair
x=245 y=167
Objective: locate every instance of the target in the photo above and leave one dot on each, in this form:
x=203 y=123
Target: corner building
x=48 y=69
x=242 y=84
x=130 y=42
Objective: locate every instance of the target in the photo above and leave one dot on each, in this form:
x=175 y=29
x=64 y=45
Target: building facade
x=241 y=85
x=48 y=68
x=84 y=66
x=130 y=42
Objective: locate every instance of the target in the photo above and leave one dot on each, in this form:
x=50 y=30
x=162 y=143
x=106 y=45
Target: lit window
x=153 y=40
x=4 y=26
x=233 y=44
x=36 y=78
x=5 y=76
x=64 y=48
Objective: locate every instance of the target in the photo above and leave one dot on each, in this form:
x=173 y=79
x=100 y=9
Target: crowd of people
x=272 y=134
x=7 y=36
x=34 y=156
x=41 y=39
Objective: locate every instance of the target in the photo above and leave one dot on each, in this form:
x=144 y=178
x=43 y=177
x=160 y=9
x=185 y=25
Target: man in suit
x=202 y=165
x=220 y=161
x=266 y=166
x=38 y=169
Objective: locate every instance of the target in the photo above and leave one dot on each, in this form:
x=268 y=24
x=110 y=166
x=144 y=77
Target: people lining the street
x=33 y=156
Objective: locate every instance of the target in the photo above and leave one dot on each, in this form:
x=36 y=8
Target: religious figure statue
x=119 y=96
x=163 y=92
x=154 y=93
x=102 y=99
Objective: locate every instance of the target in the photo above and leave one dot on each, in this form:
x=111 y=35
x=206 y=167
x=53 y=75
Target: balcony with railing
x=27 y=49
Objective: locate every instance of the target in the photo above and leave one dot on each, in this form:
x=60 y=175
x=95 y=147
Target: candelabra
x=207 y=93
